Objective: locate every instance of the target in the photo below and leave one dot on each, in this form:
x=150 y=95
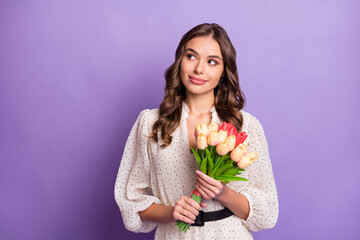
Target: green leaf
x=216 y=158
x=203 y=166
x=210 y=169
x=197 y=157
x=198 y=199
x=230 y=178
x=222 y=169
x=213 y=155
x=219 y=163
x=210 y=159
x=224 y=182
x=232 y=171
x=228 y=161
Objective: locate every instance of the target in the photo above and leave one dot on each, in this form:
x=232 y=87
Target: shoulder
x=249 y=118
x=149 y=113
x=255 y=132
x=148 y=117
x=250 y=122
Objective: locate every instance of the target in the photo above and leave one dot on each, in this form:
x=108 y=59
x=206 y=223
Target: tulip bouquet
x=222 y=153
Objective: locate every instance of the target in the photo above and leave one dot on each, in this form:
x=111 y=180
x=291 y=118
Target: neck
x=200 y=104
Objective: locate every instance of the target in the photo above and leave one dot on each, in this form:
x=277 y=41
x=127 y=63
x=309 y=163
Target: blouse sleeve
x=260 y=190
x=132 y=186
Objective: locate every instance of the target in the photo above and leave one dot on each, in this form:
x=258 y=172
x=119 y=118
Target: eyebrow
x=211 y=56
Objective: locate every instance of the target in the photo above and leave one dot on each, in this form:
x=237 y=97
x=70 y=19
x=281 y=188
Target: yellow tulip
x=222 y=136
x=201 y=142
x=213 y=138
x=230 y=140
x=213 y=127
x=222 y=148
x=239 y=151
x=201 y=129
x=247 y=159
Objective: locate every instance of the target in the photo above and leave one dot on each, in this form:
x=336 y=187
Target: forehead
x=204 y=45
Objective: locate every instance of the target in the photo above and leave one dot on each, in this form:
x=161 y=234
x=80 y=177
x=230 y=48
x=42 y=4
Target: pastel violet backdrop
x=75 y=74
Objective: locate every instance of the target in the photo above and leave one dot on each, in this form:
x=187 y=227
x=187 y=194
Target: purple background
x=75 y=74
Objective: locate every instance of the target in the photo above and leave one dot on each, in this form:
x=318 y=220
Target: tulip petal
x=240 y=138
x=232 y=131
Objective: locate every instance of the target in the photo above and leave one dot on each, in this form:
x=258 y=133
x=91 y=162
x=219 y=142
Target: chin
x=199 y=91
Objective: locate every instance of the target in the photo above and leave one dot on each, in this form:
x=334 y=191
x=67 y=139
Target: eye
x=212 y=62
x=190 y=56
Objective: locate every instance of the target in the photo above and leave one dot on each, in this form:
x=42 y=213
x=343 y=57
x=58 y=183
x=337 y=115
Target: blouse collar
x=185 y=113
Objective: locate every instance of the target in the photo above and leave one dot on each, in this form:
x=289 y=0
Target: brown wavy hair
x=229 y=99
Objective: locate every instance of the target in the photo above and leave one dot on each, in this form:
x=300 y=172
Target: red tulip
x=226 y=126
x=195 y=192
x=240 y=138
x=232 y=131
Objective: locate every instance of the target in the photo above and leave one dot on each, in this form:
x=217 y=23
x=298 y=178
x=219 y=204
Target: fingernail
x=197 y=171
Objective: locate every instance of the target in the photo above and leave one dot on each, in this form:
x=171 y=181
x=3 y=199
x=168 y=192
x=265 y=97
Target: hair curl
x=229 y=99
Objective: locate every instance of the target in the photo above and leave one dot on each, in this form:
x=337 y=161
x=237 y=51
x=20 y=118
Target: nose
x=199 y=68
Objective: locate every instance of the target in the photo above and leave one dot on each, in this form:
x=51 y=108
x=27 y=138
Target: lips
x=196 y=80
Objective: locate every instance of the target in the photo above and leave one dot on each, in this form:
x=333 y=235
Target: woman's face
x=201 y=66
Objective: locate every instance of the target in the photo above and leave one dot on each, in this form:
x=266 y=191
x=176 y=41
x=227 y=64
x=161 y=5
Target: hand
x=208 y=187
x=186 y=210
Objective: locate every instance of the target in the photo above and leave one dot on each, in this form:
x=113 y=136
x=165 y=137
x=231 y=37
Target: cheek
x=184 y=75
x=215 y=83
x=182 y=72
x=185 y=67
x=216 y=75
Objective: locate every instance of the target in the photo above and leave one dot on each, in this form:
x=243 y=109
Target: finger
x=211 y=183
x=210 y=187
x=178 y=216
x=188 y=214
x=190 y=211
x=204 y=193
x=211 y=191
x=192 y=203
x=189 y=205
x=208 y=179
x=187 y=200
x=203 y=205
x=184 y=210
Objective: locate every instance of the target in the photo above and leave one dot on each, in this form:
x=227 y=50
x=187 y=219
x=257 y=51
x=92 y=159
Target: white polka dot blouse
x=150 y=174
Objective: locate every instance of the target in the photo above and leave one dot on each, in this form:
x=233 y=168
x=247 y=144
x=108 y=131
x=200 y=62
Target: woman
x=158 y=171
